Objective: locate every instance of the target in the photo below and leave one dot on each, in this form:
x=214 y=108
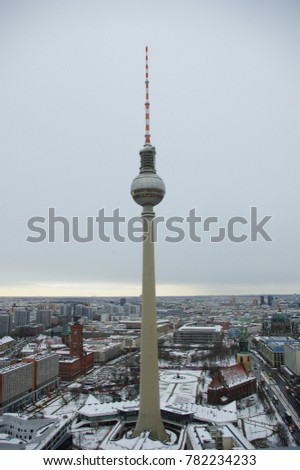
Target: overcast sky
x=225 y=117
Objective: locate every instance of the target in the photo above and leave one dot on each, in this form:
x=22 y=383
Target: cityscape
x=186 y=341
x=229 y=372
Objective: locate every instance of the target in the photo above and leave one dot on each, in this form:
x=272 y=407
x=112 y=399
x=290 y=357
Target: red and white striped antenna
x=147 y=103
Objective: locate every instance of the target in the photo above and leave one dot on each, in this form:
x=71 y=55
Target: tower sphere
x=148 y=189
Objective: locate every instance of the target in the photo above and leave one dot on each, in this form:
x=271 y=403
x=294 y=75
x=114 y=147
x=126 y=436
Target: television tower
x=148 y=190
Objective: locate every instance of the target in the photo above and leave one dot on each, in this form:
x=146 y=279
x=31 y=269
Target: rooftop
x=6 y=339
x=206 y=329
x=295 y=346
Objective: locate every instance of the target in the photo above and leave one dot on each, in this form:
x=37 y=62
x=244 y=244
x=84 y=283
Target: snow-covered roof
x=201 y=436
x=235 y=374
x=6 y=339
x=215 y=415
x=93 y=407
x=231 y=375
x=142 y=442
x=205 y=329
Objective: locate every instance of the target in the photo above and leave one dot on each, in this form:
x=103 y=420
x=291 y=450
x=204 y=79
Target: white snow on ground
x=257 y=424
x=180 y=388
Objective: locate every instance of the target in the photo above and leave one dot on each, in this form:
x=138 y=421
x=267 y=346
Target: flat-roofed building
x=292 y=357
x=15 y=380
x=43 y=317
x=6 y=342
x=207 y=336
x=45 y=367
x=5 y=323
x=272 y=348
x=225 y=437
x=21 y=316
x=104 y=350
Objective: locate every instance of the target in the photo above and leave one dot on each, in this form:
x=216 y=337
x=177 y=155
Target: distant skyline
x=281 y=296
x=225 y=117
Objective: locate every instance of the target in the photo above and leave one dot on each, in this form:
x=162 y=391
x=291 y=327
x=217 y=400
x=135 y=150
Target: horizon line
x=157 y=296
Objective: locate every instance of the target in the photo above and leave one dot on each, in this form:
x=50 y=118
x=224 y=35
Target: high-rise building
x=5 y=324
x=66 y=311
x=15 y=380
x=148 y=190
x=87 y=312
x=44 y=317
x=45 y=368
x=132 y=310
x=21 y=316
x=292 y=357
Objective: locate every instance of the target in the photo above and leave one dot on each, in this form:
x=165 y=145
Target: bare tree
x=282 y=434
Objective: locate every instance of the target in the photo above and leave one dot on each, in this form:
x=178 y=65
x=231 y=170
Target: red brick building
x=79 y=361
x=229 y=384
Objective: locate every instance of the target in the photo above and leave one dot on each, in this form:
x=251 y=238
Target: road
x=276 y=387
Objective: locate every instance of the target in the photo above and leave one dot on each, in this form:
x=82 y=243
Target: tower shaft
x=149 y=412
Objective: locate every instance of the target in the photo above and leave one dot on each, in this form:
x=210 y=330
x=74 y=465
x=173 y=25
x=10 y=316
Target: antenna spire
x=147 y=103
